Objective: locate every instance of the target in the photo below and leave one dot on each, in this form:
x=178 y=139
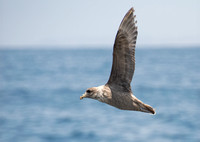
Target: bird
x=117 y=91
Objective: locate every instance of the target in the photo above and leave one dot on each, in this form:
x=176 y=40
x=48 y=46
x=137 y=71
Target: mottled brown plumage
x=117 y=91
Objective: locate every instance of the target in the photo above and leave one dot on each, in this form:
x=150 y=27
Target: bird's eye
x=88 y=91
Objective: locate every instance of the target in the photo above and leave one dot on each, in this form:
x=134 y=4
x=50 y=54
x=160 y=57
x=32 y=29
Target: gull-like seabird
x=117 y=91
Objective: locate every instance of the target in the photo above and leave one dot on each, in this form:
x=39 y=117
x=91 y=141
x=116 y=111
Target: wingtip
x=131 y=10
x=127 y=15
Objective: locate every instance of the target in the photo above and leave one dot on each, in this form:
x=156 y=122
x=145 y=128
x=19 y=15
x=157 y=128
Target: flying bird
x=117 y=91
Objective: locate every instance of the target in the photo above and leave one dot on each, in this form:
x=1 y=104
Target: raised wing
x=124 y=53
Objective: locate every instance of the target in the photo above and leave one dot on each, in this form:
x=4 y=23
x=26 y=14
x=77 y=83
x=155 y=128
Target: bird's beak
x=83 y=96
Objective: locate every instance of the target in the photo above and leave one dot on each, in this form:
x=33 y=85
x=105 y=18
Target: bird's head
x=90 y=93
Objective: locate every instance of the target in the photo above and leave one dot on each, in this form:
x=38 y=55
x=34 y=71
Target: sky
x=74 y=23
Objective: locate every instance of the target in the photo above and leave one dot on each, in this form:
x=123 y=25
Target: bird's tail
x=147 y=108
x=144 y=107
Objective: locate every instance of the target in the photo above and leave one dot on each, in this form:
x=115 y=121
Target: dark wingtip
x=130 y=12
x=150 y=109
x=132 y=9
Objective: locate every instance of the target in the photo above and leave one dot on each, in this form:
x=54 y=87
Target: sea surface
x=40 y=90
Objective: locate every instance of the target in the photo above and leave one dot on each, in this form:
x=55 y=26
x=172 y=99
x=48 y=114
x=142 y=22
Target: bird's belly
x=124 y=103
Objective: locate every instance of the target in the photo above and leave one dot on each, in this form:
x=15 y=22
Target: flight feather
x=124 y=53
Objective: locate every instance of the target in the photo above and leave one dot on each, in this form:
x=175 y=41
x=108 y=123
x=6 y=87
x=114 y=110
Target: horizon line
x=90 y=46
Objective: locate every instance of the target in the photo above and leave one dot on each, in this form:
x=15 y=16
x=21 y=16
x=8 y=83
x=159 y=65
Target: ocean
x=40 y=90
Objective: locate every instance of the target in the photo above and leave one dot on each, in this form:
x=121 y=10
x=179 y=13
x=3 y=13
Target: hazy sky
x=95 y=22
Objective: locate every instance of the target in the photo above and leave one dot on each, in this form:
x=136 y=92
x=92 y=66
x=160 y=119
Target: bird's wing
x=123 y=65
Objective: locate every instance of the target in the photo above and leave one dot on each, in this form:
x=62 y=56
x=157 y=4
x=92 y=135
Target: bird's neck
x=102 y=94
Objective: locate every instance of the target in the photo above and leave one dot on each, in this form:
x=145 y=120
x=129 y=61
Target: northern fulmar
x=117 y=91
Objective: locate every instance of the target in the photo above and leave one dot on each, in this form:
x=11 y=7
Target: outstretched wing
x=124 y=53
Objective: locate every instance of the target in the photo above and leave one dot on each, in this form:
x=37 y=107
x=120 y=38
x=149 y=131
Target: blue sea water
x=40 y=90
